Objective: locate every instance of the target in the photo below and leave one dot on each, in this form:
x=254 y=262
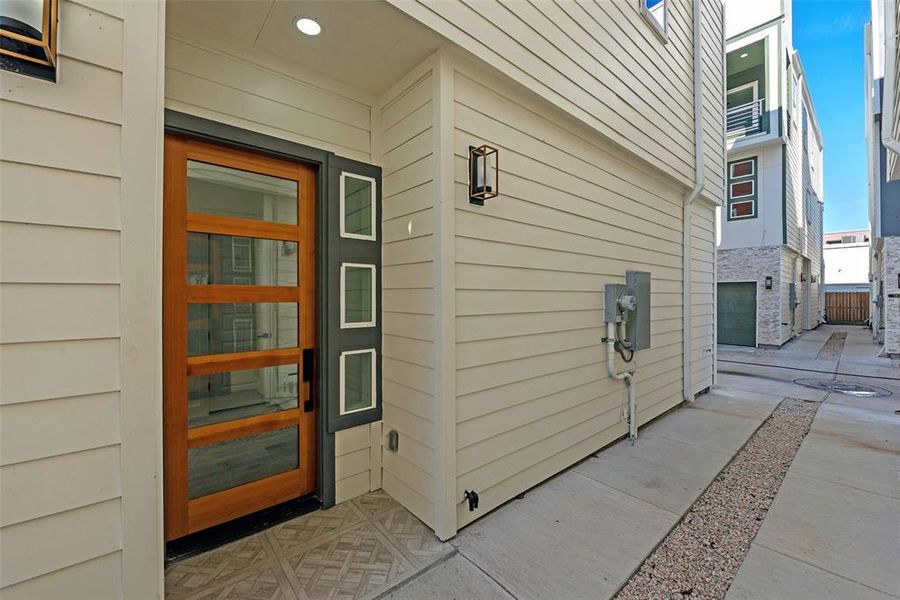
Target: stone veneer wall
x=890 y=271
x=755 y=264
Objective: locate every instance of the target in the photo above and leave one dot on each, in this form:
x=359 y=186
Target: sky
x=829 y=36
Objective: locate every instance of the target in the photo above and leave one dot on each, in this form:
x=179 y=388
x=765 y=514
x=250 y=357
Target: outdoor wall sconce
x=483 y=174
x=768 y=283
x=28 y=37
x=813 y=279
x=802 y=277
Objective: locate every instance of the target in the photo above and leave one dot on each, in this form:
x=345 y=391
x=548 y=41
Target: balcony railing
x=745 y=119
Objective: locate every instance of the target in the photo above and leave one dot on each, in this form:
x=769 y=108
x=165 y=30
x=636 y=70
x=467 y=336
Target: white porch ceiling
x=367 y=44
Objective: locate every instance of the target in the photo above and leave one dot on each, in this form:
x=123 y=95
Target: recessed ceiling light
x=308 y=26
x=744 y=55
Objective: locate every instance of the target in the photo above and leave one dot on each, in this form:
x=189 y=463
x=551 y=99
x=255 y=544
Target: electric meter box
x=611 y=294
x=637 y=328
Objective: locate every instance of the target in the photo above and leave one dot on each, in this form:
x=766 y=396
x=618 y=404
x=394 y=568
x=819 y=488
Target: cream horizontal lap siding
x=215 y=77
x=79 y=387
x=406 y=114
x=601 y=62
x=703 y=302
x=532 y=393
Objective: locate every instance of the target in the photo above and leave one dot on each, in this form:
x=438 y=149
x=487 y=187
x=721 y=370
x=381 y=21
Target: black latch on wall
x=472 y=498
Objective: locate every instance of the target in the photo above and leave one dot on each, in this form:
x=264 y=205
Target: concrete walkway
x=834 y=528
x=832 y=532
x=583 y=533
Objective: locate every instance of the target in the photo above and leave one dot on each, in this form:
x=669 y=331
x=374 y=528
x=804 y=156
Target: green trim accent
x=783 y=193
x=751 y=178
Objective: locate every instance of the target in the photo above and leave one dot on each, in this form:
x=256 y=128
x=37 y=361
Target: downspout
x=687 y=219
x=890 y=65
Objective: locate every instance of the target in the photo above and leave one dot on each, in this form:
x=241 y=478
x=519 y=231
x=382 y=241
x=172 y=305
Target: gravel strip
x=834 y=347
x=702 y=554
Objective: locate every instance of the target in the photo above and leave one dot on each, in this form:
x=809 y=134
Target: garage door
x=737 y=314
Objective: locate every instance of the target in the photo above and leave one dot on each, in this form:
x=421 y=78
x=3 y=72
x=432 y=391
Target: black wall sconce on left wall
x=484 y=179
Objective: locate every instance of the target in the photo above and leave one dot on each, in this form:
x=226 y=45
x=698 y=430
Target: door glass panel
x=218 y=190
x=357 y=381
x=234 y=395
x=228 y=464
x=358 y=205
x=230 y=260
x=242 y=327
x=358 y=287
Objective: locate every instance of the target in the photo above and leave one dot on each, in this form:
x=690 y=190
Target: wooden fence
x=847 y=307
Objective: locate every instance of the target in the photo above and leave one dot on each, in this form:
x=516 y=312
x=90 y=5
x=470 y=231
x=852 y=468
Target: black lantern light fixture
x=802 y=277
x=28 y=37
x=768 y=283
x=813 y=278
x=484 y=180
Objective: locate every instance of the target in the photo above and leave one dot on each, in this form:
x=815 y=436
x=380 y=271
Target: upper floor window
x=28 y=37
x=657 y=14
x=742 y=192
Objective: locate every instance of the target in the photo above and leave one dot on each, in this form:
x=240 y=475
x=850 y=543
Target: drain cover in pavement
x=848 y=388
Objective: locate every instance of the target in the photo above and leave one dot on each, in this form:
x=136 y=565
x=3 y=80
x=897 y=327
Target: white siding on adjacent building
x=766 y=228
x=742 y=16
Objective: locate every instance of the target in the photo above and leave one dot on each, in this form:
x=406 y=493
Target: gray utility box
x=611 y=294
x=637 y=322
x=637 y=329
x=792 y=296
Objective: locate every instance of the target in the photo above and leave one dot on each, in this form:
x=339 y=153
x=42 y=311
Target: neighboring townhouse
x=261 y=251
x=882 y=135
x=846 y=256
x=770 y=236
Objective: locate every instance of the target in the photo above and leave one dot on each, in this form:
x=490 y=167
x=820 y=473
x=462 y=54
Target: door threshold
x=219 y=535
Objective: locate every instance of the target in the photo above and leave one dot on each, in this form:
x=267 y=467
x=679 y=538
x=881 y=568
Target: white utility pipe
x=626 y=376
x=890 y=80
x=687 y=220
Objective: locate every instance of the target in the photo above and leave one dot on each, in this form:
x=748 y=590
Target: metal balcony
x=745 y=119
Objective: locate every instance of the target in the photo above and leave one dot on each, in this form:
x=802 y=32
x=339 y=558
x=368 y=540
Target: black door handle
x=309 y=365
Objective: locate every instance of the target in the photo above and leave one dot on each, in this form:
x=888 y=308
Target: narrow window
x=357 y=295
x=357 y=207
x=358 y=389
x=742 y=191
x=656 y=12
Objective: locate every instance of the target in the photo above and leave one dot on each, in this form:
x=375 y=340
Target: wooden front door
x=239 y=309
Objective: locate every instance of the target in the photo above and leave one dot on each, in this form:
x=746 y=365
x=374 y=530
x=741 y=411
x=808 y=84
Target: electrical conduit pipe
x=626 y=376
